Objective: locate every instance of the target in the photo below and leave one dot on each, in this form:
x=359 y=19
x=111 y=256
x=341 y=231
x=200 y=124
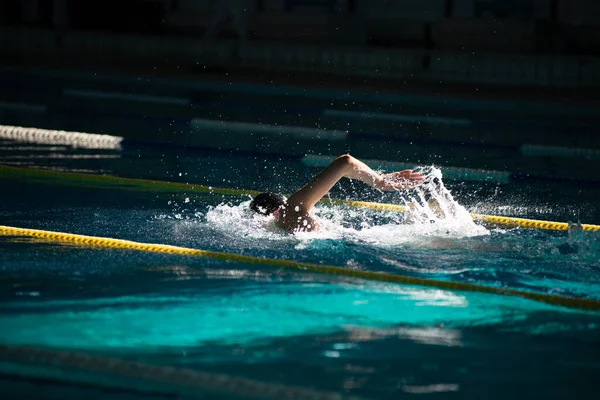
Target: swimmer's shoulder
x=293 y=221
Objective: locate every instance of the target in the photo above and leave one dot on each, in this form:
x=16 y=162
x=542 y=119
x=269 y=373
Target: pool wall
x=450 y=66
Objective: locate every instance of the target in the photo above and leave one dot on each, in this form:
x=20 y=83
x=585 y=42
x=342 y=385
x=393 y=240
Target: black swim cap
x=267 y=203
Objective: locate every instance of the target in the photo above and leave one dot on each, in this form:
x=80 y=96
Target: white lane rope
x=55 y=137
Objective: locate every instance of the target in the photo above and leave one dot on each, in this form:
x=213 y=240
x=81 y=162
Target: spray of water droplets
x=431 y=212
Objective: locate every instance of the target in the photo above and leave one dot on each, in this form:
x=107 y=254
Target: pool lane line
x=495 y=220
x=242 y=128
x=57 y=137
x=381 y=116
x=490 y=220
x=133 y=97
x=85 y=368
x=132 y=182
x=534 y=150
x=96 y=241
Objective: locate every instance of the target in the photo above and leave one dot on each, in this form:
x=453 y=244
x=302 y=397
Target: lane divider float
x=95 y=241
x=57 y=137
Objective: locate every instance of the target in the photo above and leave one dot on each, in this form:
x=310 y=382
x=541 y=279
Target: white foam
x=433 y=218
x=241 y=222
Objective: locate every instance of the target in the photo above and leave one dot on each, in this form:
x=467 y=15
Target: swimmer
x=293 y=214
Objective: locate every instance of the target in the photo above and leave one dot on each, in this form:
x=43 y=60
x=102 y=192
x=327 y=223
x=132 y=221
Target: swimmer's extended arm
x=349 y=167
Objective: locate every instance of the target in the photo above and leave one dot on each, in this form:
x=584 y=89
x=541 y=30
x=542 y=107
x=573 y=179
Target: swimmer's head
x=267 y=203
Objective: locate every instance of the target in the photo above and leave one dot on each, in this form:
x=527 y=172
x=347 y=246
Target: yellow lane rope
x=528 y=223
x=93 y=241
x=509 y=222
x=115 y=180
x=179 y=380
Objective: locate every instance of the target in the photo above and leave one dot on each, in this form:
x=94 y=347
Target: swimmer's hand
x=401 y=180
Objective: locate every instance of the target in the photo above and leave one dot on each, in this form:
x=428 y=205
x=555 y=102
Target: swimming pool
x=134 y=324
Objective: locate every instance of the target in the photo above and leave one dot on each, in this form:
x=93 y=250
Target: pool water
x=332 y=335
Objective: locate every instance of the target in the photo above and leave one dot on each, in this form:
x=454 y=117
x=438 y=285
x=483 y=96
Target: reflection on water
x=435 y=388
x=426 y=335
x=191 y=312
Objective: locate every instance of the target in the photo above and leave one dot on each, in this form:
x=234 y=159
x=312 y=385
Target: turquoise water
x=327 y=334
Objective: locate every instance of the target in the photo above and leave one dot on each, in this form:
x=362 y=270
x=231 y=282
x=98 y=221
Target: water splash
x=240 y=221
x=432 y=213
x=433 y=209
